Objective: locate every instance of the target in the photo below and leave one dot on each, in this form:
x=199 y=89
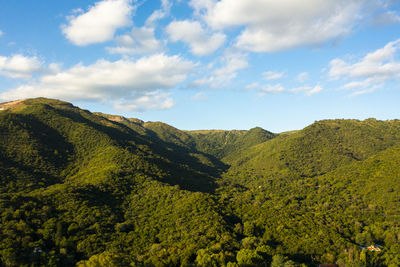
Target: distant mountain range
x=93 y=189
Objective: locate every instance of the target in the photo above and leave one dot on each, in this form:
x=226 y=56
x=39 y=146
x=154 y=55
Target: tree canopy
x=92 y=189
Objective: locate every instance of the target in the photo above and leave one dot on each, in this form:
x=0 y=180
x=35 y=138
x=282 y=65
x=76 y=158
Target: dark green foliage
x=85 y=189
x=88 y=178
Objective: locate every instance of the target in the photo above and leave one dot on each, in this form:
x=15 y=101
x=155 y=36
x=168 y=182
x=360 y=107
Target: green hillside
x=217 y=143
x=70 y=179
x=93 y=189
x=318 y=148
x=223 y=143
x=355 y=205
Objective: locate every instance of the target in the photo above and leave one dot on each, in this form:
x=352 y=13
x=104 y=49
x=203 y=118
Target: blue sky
x=207 y=64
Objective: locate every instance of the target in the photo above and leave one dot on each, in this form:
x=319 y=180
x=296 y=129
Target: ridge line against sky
x=207 y=64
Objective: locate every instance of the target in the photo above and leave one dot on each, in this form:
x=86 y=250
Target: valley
x=93 y=189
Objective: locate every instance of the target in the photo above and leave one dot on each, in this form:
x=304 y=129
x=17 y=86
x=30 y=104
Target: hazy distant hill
x=96 y=189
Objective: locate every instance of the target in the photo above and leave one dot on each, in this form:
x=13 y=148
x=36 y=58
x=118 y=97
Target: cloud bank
x=19 y=66
x=138 y=41
x=134 y=83
x=273 y=75
x=220 y=77
x=99 y=23
x=271 y=25
x=192 y=33
x=370 y=72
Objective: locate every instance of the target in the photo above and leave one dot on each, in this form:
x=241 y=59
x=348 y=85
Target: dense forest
x=91 y=189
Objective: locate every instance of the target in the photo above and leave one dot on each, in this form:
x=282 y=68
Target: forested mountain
x=218 y=143
x=223 y=143
x=92 y=189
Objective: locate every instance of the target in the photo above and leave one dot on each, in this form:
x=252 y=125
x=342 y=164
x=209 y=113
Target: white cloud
x=148 y=100
x=266 y=88
x=192 y=33
x=314 y=90
x=19 y=66
x=134 y=83
x=160 y=13
x=372 y=71
x=252 y=86
x=272 y=75
x=277 y=88
x=99 y=23
x=77 y=11
x=199 y=96
x=54 y=68
x=142 y=40
x=1 y=32
x=272 y=25
x=201 y=5
x=359 y=84
x=363 y=92
x=389 y=17
x=308 y=90
x=138 y=41
x=302 y=77
x=232 y=62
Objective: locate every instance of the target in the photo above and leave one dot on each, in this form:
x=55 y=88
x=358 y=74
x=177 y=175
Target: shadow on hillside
x=188 y=168
x=182 y=166
x=118 y=135
x=39 y=155
x=24 y=176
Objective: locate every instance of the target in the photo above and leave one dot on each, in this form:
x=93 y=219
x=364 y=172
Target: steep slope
x=318 y=148
x=103 y=190
x=332 y=185
x=73 y=183
x=217 y=143
x=179 y=144
x=326 y=218
x=93 y=146
x=223 y=143
x=372 y=185
x=170 y=134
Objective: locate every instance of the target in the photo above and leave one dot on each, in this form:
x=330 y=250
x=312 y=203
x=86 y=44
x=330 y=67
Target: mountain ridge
x=91 y=188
